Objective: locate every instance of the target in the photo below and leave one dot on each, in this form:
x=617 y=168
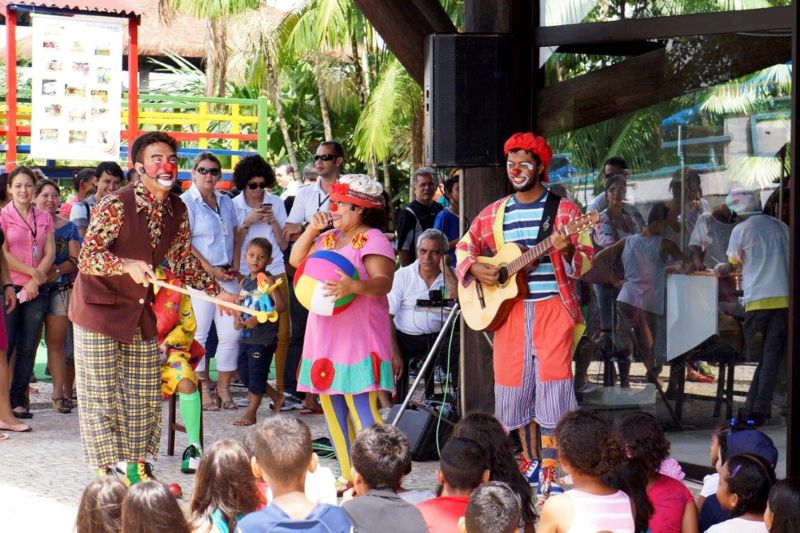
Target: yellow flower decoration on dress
x=329 y=241
x=358 y=241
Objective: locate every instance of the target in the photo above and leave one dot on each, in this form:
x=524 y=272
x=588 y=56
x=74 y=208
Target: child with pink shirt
x=588 y=452
x=663 y=503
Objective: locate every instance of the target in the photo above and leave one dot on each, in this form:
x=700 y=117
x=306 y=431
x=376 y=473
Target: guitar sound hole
x=502 y=275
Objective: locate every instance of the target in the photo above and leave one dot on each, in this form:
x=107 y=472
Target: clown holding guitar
x=539 y=322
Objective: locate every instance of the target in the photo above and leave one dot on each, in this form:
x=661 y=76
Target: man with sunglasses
x=533 y=347
x=314 y=198
x=613 y=166
x=419 y=215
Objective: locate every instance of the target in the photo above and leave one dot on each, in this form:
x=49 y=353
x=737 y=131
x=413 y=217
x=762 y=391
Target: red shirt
x=669 y=498
x=442 y=514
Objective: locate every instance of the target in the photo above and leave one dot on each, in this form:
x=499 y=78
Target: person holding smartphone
x=260 y=213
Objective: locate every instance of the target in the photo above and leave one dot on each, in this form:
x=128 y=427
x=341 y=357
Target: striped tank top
x=521 y=225
x=593 y=513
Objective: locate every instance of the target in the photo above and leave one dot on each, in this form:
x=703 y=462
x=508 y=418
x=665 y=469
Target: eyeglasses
x=256 y=185
x=325 y=157
x=205 y=170
x=525 y=165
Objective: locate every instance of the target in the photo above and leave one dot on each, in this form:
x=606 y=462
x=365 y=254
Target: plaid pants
x=119 y=397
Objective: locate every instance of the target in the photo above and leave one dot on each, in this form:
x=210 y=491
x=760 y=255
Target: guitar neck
x=531 y=255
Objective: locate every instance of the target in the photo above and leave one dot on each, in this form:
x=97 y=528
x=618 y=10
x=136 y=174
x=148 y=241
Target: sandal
x=22 y=415
x=15 y=428
x=213 y=405
x=60 y=405
x=229 y=405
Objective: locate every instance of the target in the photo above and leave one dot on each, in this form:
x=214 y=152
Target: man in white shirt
x=314 y=198
x=284 y=174
x=759 y=247
x=415 y=328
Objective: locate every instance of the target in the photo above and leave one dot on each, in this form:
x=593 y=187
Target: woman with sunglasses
x=212 y=218
x=262 y=214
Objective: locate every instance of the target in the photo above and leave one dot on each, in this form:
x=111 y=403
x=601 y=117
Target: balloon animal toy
x=260 y=302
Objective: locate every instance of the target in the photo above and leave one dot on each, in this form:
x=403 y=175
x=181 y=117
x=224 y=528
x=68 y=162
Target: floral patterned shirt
x=107 y=218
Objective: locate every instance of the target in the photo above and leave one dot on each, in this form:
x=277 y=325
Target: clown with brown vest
x=117 y=359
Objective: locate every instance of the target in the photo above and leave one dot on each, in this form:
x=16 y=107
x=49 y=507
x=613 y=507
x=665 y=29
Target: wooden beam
x=627 y=48
x=403 y=26
x=686 y=65
x=748 y=20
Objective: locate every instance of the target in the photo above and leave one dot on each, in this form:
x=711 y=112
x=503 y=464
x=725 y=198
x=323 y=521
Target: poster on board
x=76 y=87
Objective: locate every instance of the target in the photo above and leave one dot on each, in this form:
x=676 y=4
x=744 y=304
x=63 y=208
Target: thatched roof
x=184 y=35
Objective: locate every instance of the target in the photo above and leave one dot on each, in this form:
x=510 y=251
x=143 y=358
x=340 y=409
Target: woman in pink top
x=347 y=357
x=29 y=250
x=663 y=503
x=588 y=452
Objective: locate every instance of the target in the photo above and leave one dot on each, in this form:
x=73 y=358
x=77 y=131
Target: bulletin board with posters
x=76 y=87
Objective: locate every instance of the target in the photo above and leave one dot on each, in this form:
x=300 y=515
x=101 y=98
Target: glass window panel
x=699 y=166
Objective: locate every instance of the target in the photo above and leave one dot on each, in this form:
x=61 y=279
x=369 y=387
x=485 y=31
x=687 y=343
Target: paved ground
x=42 y=473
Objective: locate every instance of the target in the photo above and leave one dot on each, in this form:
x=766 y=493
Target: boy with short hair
x=493 y=508
x=380 y=457
x=283 y=457
x=462 y=467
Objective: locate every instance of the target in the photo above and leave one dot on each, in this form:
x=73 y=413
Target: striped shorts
x=119 y=397
x=533 y=365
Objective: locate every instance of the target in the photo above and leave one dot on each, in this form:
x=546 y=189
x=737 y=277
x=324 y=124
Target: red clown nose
x=169 y=166
x=515 y=172
x=334 y=207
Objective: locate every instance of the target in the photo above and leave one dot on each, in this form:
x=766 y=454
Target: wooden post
x=793 y=369
x=133 y=84
x=11 y=87
x=481 y=186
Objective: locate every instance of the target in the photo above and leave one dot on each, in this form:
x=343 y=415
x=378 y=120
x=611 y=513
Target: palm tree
x=217 y=14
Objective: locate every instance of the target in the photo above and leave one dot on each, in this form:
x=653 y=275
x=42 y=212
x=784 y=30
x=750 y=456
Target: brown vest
x=115 y=305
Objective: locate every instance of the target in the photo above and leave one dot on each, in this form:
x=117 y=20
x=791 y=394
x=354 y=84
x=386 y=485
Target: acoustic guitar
x=486 y=307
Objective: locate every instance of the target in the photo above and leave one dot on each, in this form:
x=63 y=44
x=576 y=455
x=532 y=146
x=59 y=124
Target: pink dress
x=351 y=352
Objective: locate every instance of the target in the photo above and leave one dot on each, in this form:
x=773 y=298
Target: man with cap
x=533 y=348
x=117 y=359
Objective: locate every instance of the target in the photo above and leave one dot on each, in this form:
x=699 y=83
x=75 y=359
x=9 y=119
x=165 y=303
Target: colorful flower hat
x=358 y=189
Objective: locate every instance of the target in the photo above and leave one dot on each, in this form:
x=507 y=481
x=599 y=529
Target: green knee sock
x=190 y=405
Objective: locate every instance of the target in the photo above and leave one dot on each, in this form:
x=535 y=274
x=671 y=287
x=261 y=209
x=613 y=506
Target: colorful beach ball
x=310 y=278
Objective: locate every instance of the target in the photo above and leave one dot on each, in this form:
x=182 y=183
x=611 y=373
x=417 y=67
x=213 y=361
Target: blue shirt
x=521 y=225
x=323 y=518
x=447 y=222
x=64 y=234
x=212 y=229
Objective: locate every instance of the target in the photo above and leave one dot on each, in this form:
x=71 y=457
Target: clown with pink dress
x=343 y=277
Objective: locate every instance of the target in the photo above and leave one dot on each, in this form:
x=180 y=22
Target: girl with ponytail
x=589 y=453
x=663 y=504
x=744 y=486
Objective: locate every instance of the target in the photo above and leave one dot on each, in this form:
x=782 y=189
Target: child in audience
x=462 y=467
x=711 y=481
x=664 y=502
x=783 y=507
x=587 y=452
x=283 y=457
x=224 y=489
x=149 y=507
x=487 y=431
x=101 y=506
x=739 y=438
x=380 y=456
x=493 y=508
x=744 y=485
x=258 y=341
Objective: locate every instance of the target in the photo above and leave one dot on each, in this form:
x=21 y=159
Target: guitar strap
x=548 y=216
